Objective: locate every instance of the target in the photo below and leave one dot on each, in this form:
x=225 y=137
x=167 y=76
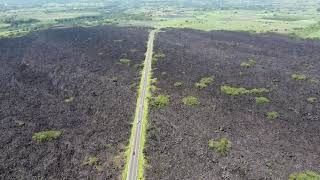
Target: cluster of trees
x=17 y=22
x=79 y=19
x=138 y=17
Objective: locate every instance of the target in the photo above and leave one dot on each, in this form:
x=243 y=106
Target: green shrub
x=307 y=175
x=134 y=50
x=118 y=40
x=108 y=146
x=139 y=66
x=154 y=81
x=164 y=73
x=125 y=61
x=158 y=56
x=299 y=77
x=233 y=91
x=269 y=165
x=114 y=79
x=95 y=162
x=262 y=100
x=313 y=81
x=160 y=101
x=221 y=146
x=190 y=101
x=153 y=88
x=256 y=91
x=312 y=99
x=204 y=82
x=248 y=64
x=92 y=161
x=69 y=99
x=133 y=86
x=46 y=136
x=272 y=115
x=20 y=123
x=177 y=84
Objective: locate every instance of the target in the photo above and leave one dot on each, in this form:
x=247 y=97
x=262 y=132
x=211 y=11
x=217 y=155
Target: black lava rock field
x=72 y=83
x=253 y=108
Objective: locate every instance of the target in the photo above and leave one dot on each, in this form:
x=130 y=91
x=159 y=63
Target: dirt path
x=133 y=165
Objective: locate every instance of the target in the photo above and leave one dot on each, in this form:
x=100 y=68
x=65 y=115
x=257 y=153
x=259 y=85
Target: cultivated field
x=252 y=110
x=292 y=17
x=77 y=87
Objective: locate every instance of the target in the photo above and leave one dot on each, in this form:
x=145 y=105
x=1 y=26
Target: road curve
x=133 y=164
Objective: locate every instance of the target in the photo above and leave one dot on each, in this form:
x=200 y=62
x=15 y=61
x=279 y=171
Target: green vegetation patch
x=221 y=146
x=154 y=81
x=95 y=162
x=308 y=31
x=158 y=56
x=307 y=175
x=69 y=99
x=118 y=40
x=299 y=77
x=191 y=101
x=177 y=84
x=233 y=91
x=262 y=100
x=92 y=161
x=160 y=101
x=272 y=115
x=283 y=18
x=154 y=88
x=313 y=81
x=46 y=136
x=133 y=86
x=204 y=82
x=20 y=124
x=312 y=99
x=114 y=79
x=125 y=61
x=249 y=64
x=139 y=67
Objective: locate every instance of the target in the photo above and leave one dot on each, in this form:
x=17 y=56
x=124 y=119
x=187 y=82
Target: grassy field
x=300 y=22
x=243 y=20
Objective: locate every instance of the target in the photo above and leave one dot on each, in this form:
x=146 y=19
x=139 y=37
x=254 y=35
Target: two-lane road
x=133 y=164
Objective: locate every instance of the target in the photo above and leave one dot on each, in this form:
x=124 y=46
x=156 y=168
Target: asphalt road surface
x=133 y=165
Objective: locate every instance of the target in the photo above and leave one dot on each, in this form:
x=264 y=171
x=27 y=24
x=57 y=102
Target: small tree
x=204 y=82
x=221 y=146
x=262 y=100
x=125 y=61
x=272 y=115
x=299 y=77
x=46 y=136
x=190 y=101
x=160 y=101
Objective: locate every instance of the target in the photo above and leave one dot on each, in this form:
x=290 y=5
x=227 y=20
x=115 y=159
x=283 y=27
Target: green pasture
x=301 y=22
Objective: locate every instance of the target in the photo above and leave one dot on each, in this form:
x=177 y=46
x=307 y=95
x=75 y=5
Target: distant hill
x=43 y=2
x=243 y=4
x=191 y=3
